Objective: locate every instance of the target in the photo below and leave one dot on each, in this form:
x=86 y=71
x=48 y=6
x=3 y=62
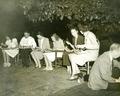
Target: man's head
x=74 y=32
x=39 y=35
x=115 y=50
x=26 y=34
x=55 y=37
x=82 y=28
x=7 y=38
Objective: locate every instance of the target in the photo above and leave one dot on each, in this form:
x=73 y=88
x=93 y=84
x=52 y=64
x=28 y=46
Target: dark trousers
x=66 y=61
x=25 y=56
x=114 y=86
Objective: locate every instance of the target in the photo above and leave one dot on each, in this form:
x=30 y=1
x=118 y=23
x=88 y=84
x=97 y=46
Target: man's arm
x=106 y=75
x=47 y=44
x=105 y=70
x=21 y=42
x=33 y=43
x=116 y=63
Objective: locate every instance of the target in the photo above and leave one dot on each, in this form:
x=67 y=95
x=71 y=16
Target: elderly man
x=27 y=43
x=101 y=72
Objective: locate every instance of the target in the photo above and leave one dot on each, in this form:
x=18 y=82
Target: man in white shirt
x=27 y=43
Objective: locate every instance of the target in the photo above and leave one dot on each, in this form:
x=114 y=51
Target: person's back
x=101 y=72
x=96 y=82
x=58 y=44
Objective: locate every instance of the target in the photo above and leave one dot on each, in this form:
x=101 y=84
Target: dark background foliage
x=102 y=16
x=49 y=16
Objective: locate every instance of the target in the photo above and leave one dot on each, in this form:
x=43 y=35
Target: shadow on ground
x=19 y=81
x=83 y=90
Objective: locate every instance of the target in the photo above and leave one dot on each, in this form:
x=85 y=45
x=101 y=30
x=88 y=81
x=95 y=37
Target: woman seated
x=78 y=39
x=9 y=49
x=37 y=54
x=50 y=56
x=88 y=51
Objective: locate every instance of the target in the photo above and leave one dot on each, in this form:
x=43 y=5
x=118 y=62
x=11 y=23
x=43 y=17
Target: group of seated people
x=28 y=47
x=83 y=48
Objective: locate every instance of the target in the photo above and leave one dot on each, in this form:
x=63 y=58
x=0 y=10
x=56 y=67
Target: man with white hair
x=101 y=72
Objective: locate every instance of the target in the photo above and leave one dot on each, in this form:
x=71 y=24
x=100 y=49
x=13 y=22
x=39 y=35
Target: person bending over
x=101 y=72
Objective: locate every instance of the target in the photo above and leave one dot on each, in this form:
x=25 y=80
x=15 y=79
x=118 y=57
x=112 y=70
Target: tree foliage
x=99 y=15
x=49 y=9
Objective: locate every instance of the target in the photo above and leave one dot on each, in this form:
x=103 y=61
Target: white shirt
x=28 y=42
x=40 y=43
x=90 y=41
x=58 y=44
x=8 y=43
x=14 y=43
x=111 y=58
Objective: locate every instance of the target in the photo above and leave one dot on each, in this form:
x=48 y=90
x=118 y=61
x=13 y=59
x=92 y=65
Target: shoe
x=39 y=66
x=8 y=64
x=50 y=69
x=80 y=80
x=73 y=78
x=36 y=66
x=5 y=64
x=45 y=69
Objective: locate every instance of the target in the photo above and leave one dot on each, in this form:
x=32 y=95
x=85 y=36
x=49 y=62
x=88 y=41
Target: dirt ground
x=19 y=81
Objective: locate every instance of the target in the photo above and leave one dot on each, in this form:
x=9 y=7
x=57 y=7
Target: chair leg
x=88 y=68
x=17 y=59
x=30 y=59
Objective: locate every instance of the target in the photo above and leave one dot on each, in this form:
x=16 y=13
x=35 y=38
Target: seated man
x=87 y=51
x=101 y=72
x=37 y=54
x=27 y=43
x=50 y=56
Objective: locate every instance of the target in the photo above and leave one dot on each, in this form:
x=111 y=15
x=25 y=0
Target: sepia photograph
x=59 y=47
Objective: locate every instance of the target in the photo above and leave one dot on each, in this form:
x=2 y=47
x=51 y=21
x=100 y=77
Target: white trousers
x=81 y=59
